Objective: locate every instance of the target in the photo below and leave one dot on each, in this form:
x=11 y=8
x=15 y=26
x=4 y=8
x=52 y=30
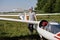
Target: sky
x=8 y=5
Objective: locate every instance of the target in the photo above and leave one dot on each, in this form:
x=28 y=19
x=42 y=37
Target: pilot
x=32 y=17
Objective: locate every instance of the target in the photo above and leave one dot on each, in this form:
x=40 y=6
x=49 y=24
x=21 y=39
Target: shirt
x=31 y=16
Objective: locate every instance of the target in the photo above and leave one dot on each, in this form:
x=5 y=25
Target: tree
x=40 y=4
x=57 y=6
x=48 y=6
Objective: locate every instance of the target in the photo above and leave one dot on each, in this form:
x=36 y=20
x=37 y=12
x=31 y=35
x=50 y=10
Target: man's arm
x=35 y=17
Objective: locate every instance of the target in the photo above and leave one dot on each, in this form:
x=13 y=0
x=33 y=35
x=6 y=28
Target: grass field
x=12 y=29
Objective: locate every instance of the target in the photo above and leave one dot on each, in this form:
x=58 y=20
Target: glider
x=44 y=33
x=41 y=31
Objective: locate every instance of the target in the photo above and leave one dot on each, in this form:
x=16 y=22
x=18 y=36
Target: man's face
x=30 y=10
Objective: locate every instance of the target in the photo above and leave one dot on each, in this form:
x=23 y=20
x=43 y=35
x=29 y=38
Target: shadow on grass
x=28 y=37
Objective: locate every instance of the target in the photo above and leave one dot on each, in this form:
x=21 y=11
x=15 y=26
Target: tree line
x=48 y=6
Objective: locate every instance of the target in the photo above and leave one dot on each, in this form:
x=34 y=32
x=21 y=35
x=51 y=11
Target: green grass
x=49 y=18
x=11 y=29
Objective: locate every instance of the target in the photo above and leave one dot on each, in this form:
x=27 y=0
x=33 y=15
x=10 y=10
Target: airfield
x=18 y=31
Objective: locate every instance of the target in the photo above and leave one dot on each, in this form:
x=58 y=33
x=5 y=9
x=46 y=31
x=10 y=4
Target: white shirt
x=32 y=16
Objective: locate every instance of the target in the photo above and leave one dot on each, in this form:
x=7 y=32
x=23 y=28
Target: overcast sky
x=8 y=5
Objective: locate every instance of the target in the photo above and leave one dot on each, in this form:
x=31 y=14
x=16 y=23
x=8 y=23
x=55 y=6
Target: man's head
x=31 y=9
